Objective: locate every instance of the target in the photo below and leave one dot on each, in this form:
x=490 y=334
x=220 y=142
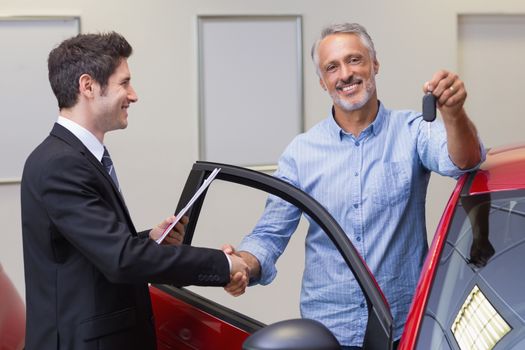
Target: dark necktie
x=108 y=164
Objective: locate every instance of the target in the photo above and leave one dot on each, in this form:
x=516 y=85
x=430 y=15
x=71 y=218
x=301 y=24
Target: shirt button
x=358 y=239
x=362 y=305
x=357 y=143
x=356 y=174
x=356 y=205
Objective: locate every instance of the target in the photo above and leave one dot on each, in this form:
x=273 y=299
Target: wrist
x=253 y=264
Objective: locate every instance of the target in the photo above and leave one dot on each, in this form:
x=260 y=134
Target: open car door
x=185 y=320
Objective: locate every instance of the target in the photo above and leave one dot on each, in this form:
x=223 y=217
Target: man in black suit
x=86 y=267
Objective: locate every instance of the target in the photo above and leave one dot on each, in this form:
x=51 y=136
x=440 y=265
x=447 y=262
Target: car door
x=187 y=320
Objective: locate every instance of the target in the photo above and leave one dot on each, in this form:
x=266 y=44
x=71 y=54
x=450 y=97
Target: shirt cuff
x=267 y=265
x=229 y=262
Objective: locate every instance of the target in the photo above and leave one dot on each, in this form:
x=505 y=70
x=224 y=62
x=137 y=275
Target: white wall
x=413 y=40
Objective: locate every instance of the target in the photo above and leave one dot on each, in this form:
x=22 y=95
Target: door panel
x=186 y=321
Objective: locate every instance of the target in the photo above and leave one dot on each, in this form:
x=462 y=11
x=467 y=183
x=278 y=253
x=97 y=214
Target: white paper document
x=183 y=211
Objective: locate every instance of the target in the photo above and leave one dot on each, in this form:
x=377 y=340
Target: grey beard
x=348 y=106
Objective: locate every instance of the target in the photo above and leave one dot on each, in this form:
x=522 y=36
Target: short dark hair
x=95 y=54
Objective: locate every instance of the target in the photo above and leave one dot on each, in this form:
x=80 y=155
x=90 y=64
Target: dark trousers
x=396 y=344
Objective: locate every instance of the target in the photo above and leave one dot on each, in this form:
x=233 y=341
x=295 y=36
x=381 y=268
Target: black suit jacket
x=86 y=267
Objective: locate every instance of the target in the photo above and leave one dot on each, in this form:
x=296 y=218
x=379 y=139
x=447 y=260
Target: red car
x=470 y=294
x=12 y=315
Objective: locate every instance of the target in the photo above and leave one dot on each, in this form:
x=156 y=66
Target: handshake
x=244 y=266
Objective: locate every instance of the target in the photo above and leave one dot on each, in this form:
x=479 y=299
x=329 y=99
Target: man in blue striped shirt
x=370 y=167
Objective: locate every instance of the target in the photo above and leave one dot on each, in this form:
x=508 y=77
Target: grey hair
x=350 y=28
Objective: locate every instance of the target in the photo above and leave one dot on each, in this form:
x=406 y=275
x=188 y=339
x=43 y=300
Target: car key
x=429 y=107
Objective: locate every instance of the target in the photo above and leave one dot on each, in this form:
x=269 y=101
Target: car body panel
x=503 y=170
x=184 y=321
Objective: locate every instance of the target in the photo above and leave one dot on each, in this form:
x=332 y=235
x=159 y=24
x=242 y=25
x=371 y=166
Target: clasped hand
x=240 y=271
x=240 y=275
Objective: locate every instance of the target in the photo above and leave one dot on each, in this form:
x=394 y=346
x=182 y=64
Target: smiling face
x=347 y=71
x=110 y=104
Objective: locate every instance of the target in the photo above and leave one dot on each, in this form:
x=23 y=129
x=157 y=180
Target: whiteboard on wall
x=250 y=87
x=29 y=107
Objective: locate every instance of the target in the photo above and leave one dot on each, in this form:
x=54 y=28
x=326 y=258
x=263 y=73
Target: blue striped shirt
x=375 y=187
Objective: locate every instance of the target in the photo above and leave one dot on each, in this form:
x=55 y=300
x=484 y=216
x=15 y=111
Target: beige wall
x=153 y=156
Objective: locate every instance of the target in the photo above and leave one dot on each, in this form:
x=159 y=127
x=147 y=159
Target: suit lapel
x=68 y=137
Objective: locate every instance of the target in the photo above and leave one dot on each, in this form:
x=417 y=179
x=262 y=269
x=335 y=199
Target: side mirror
x=296 y=334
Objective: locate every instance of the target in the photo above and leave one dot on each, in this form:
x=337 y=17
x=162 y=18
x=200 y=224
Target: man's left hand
x=462 y=139
x=175 y=236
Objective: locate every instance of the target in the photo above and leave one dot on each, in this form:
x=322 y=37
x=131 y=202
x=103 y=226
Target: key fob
x=429 y=107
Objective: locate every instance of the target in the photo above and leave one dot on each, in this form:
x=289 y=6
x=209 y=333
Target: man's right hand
x=239 y=276
x=237 y=285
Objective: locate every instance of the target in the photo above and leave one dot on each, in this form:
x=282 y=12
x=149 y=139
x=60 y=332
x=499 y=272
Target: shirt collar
x=374 y=128
x=85 y=136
